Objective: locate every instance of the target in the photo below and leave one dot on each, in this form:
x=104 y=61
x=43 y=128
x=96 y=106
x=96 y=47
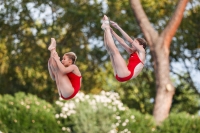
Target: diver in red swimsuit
x=65 y=73
x=135 y=65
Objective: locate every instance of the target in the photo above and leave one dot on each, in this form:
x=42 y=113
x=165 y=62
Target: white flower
x=117 y=124
x=113 y=131
x=59 y=103
x=68 y=129
x=77 y=100
x=80 y=95
x=65 y=109
x=61 y=115
x=65 y=116
x=103 y=92
x=113 y=126
x=57 y=115
x=126 y=130
x=127 y=120
x=71 y=112
x=87 y=96
x=124 y=124
x=117 y=117
x=110 y=100
x=114 y=109
x=132 y=117
x=92 y=102
x=22 y=103
x=153 y=129
x=105 y=104
x=28 y=106
x=63 y=128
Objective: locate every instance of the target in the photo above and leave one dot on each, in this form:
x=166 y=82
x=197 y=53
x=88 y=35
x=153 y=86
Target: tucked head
x=72 y=56
x=69 y=58
x=142 y=42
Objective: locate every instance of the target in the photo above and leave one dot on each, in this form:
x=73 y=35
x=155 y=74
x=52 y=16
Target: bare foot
x=52 y=45
x=105 y=22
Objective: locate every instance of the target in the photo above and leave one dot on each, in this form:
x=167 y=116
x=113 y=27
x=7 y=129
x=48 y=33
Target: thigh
x=53 y=65
x=64 y=85
x=52 y=75
x=120 y=65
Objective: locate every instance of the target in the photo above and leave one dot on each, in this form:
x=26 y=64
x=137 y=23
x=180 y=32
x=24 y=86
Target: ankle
x=52 y=51
x=107 y=28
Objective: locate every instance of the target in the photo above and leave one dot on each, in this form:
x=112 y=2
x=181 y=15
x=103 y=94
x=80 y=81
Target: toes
x=105 y=17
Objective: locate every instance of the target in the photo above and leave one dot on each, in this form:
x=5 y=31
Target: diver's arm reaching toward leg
x=122 y=43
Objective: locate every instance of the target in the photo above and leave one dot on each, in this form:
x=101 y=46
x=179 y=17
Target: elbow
x=122 y=42
x=63 y=72
x=130 y=41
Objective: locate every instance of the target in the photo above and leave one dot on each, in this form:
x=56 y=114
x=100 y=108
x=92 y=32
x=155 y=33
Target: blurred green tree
x=26 y=28
x=26 y=35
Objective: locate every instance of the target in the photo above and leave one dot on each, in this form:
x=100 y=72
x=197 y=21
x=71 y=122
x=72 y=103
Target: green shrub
x=180 y=123
x=26 y=114
x=89 y=113
x=103 y=113
x=132 y=121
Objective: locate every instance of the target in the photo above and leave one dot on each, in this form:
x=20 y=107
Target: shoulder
x=142 y=51
x=142 y=55
x=72 y=66
x=76 y=70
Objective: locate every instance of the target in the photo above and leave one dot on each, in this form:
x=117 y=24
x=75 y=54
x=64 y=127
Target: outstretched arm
x=61 y=67
x=127 y=37
x=122 y=42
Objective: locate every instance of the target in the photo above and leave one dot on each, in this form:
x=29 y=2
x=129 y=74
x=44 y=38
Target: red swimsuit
x=134 y=60
x=76 y=84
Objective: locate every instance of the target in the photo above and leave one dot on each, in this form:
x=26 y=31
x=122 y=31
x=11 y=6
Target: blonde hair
x=72 y=56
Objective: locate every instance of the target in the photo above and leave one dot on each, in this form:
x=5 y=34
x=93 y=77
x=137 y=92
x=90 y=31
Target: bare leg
x=111 y=58
x=52 y=48
x=62 y=81
x=118 y=63
x=51 y=72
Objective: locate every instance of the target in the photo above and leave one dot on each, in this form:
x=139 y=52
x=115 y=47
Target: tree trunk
x=164 y=87
x=159 y=47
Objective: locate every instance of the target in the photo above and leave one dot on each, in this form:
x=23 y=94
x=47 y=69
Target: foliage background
x=102 y=113
x=27 y=26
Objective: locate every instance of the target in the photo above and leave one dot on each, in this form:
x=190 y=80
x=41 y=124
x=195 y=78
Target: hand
x=114 y=24
x=55 y=56
x=111 y=30
x=135 y=42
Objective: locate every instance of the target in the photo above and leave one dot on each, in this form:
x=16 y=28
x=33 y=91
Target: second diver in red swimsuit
x=65 y=73
x=135 y=65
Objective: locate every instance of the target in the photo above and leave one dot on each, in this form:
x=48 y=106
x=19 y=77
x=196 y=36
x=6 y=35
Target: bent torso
x=139 y=66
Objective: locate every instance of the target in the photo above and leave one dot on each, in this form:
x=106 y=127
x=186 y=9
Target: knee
x=50 y=59
x=115 y=51
x=52 y=62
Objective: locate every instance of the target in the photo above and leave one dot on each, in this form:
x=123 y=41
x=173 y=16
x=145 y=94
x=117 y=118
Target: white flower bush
x=110 y=101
